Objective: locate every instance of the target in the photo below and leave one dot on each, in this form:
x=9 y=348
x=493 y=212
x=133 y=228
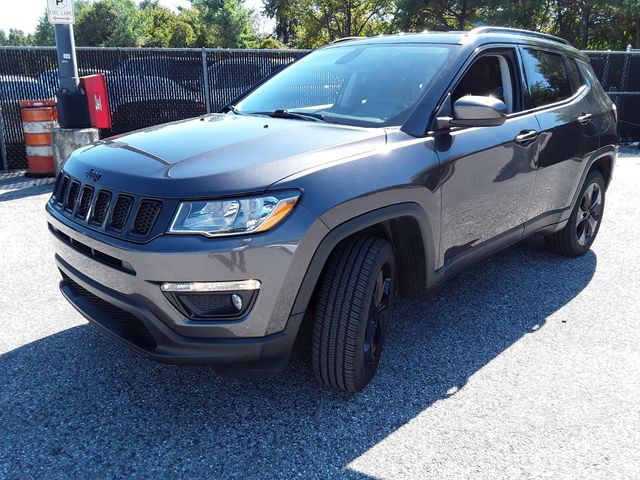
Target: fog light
x=237 y=301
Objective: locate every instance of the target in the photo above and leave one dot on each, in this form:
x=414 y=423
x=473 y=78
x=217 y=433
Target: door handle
x=585 y=118
x=526 y=136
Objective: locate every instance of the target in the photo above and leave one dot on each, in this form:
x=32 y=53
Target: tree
x=44 y=34
x=15 y=38
x=417 y=15
x=230 y=23
x=271 y=43
x=163 y=28
x=110 y=23
x=324 y=20
x=285 y=13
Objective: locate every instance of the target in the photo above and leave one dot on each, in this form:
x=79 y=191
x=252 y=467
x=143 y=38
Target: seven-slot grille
x=105 y=209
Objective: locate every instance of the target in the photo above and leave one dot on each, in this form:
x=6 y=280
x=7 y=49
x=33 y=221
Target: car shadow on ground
x=77 y=404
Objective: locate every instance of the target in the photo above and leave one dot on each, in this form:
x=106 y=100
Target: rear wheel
x=580 y=231
x=352 y=313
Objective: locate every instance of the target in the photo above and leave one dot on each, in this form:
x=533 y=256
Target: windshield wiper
x=231 y=108
x=314 y=117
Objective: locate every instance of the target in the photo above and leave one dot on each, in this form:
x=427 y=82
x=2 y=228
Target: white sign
x=60 y=11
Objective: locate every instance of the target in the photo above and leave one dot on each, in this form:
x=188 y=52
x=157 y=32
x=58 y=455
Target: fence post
x=205 y=78
x=3 y=148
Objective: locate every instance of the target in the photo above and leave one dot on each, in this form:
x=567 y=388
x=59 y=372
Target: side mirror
x=475 y=111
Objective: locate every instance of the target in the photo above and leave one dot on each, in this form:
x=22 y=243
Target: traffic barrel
x=39 y=117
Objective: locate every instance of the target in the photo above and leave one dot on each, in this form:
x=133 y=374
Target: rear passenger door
x=558 y=95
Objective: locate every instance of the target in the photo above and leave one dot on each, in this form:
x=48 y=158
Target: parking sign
x=60 y=11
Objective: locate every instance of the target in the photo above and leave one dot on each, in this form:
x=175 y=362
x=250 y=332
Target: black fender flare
x=354 y=225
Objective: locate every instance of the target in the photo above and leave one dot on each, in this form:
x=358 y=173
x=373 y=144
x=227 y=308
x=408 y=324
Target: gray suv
x=367 y=170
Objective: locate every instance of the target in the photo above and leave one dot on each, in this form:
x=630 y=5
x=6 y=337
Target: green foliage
x=44 y=34
x=15 y=38
x=110 y=23
x=271 y=44
x=228 y=23
x=324 y=20
x=163 y=28
x=592 y=24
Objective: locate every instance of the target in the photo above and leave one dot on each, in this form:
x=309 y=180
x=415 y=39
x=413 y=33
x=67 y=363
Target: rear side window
x=547 y=77
x=574 y=75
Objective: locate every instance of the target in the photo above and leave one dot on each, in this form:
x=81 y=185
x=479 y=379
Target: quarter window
x=547 y=77
x=574 y=75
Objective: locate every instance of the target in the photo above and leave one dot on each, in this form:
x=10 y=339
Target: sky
x=24 y=14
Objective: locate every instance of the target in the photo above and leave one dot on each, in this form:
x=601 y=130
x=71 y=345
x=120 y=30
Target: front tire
x=584 y=223
x=352 y=313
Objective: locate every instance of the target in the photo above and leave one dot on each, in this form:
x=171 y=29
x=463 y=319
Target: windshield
x=365 y=85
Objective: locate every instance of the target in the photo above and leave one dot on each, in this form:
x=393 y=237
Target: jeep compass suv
x=367 y=170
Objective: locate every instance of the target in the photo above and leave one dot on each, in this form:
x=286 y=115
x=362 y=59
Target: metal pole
x=67 y=62
x=205 y=77
x=3 y=148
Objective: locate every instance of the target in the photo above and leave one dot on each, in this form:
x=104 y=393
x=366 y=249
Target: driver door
x=487 y=172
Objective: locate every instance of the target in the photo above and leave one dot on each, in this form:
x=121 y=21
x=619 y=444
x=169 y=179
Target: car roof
x=477 y=36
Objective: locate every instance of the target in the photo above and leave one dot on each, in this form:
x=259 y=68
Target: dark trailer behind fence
x=149 y=86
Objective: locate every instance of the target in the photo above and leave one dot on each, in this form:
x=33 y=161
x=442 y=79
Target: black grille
x=130 y=327
x=58 y=187
x=85 y=202
x=208 y=302
x=121 y=212
x=100 y=208
x=211 y=305
x=72 y=196
x=146 y=217
x=64 y=185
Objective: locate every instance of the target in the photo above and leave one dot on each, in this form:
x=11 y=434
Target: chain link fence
x=619 y=74
x=149 y=86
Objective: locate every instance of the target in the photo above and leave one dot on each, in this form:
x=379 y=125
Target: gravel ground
x=527 y=365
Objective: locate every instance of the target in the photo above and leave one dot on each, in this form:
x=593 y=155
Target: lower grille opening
x=92 y=252
x=203 y=306
x=126 y=324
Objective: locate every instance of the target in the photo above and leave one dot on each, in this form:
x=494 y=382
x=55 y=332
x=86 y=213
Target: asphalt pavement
x=526 y=365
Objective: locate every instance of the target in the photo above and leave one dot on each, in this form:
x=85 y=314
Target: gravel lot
x=527 y=365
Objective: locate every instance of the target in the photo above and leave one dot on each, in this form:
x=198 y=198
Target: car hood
x=217 y=155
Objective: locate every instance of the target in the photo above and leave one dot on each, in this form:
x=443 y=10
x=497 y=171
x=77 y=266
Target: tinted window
x=489 y=76
x=574 y=75
x=547 y=77
x=368 y=85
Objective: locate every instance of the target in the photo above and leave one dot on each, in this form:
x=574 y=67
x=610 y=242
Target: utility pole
x=67 y=62
x=71 y=102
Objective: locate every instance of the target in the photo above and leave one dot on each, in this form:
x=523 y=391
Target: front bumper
x=116 y=285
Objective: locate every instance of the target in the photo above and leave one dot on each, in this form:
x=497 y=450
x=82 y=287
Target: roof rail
x=519 y=31
x=346 y=39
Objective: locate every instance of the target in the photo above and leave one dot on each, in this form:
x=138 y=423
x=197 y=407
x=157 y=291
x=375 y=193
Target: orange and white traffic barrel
x=39 y=117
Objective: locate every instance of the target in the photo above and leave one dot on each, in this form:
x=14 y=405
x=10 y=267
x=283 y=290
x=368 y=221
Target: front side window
x=489 y=76
x=547 y=77
x=365 y=85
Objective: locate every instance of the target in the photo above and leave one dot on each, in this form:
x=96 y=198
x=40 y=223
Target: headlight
x=234 y=216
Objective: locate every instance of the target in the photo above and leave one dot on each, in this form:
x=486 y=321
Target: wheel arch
x=604 y=164
x=405 y=225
